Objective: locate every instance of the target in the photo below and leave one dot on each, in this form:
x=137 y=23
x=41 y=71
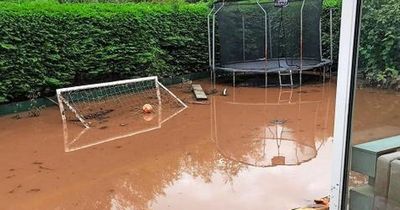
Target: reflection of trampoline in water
x=265 y=134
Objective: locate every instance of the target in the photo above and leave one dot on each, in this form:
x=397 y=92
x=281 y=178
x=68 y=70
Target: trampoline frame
x=324 y=64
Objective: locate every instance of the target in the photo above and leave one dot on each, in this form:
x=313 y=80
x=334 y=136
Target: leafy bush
x=380 y=43
x=332 y=3
x=326 y=37
x=47 y=46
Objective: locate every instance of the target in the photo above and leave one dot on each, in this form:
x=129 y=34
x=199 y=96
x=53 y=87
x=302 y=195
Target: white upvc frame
x=344 y=93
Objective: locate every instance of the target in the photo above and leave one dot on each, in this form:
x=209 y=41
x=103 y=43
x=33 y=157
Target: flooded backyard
x=254 y=149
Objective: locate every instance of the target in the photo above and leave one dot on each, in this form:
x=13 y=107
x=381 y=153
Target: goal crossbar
x=120 y=82
x=63 y=101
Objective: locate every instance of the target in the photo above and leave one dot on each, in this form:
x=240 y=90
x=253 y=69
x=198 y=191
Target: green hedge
x=46 y=46
x=379 y=52
x=326 y=37
x=332 y=4
x=380 y=43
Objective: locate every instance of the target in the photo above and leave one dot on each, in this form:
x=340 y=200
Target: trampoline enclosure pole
x=209 y=43
x=270 y=36
x=266 y=41
x=320 y=39
x=213 y=44
x=331 y=31
x=243 y=40
x=323 y=69
x=301 y=42
x=213 y=50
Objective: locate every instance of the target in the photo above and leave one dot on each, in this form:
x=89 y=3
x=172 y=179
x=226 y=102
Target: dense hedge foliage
x=380 y=43
x=46 y=46
x=332 y=4
x=326 y=3
x=379 y=52
x=326 y=36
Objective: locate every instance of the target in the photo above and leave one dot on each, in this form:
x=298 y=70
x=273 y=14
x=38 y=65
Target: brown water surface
x=253 y=149
x=376 y=115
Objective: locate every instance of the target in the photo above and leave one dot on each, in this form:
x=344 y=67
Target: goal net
x=114 y=110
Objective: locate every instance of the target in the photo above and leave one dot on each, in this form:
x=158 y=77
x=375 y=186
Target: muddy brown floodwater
x=253 y=149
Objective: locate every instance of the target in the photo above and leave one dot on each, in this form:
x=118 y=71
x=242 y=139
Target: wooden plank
x=198 y=92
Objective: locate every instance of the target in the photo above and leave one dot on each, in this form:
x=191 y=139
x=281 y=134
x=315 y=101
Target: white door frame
x=349 y=32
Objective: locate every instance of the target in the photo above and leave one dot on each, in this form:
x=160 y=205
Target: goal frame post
x=62 y=101
x=64 y=106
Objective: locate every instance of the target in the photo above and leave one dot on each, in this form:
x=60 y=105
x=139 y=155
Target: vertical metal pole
x=320 y=40
x=270 y=37
x=213 y=50
x=301 y=42
x=266 y=46
x=331 y=31
x=243 y=40
x=266 y=42
x=233 y=78
x=320 y=50
x=331 y=39
x=209 y=44
x=213 y=44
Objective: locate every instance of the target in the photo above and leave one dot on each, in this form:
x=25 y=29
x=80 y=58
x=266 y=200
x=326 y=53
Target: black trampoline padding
x=274 y=65
x=260 y=37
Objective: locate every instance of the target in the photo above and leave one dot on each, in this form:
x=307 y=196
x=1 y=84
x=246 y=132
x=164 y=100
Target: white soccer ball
x=147 y=108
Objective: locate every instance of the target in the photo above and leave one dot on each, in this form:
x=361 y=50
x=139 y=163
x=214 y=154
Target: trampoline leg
x=233 y=79
x=291 y=78
x=266 y=79
x=212 y=79
x=323 y=73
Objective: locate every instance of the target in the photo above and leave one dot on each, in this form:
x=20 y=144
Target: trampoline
x=281 y=36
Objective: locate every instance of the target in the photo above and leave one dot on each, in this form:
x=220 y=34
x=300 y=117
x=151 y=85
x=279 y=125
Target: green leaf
x=8 y=46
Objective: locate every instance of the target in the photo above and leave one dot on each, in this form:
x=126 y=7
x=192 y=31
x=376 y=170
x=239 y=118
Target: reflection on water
x=222 y=175
x=125 y=119
x=204 y=158
x=267 y=130
x=376 y=115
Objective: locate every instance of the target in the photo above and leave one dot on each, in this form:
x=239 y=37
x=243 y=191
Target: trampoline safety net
x=258 y=36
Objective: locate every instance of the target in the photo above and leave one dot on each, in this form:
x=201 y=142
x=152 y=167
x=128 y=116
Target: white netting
x=96 y=105
x=281 y=3
x=116 y=108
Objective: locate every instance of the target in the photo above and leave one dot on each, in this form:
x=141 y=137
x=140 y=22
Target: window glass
x=374 y=177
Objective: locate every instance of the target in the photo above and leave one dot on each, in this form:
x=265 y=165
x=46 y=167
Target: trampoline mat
x=274 y=65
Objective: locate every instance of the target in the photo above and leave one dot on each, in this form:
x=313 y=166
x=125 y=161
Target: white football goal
x=116 y=105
